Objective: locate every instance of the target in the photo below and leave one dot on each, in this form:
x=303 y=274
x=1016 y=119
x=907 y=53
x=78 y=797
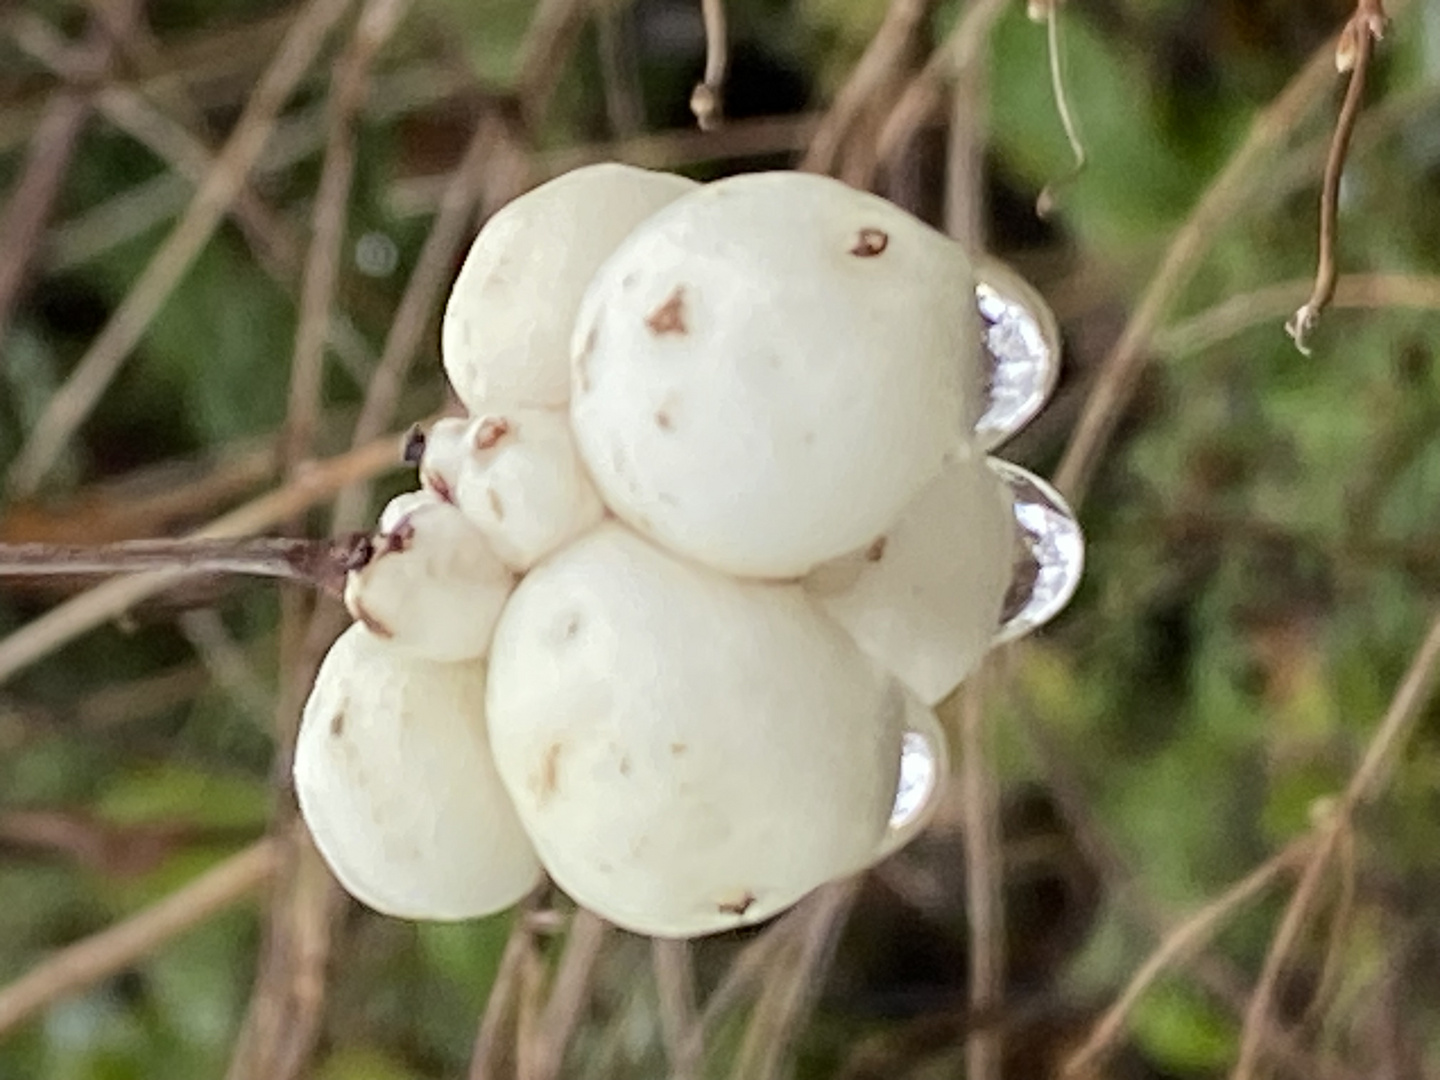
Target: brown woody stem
x=322 y=564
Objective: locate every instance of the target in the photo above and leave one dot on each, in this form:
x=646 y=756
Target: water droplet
x=1049 y=553
x=1023 y=344
x=919 y=775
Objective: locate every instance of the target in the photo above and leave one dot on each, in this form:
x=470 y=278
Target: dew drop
x=1022 y=343
x=1049 y=553
x=919 y=776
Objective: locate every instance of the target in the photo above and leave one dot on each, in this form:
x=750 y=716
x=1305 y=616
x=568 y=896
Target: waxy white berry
x=396 y=784
x=432 y=585
x=688 y=752
x=769 y=369
x=505 y=337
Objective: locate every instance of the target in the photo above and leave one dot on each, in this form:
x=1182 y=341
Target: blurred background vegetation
x=1264 y=527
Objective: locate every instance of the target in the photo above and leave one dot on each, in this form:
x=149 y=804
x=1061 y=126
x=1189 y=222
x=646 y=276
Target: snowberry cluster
x=669 y=613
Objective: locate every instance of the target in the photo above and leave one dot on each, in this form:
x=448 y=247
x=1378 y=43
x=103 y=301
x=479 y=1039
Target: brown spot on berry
x=496 y=506
x=663 y=421
x=625 y=766
x=869 y=243
x=876 y=551
x=492 y=430
x=414 y=447
x=548 y=782
x=337 y=723
x=669 y=317
x=737 y=907
x=369 y=621
x=437 y=484
x=678 y=748
x=399 y=538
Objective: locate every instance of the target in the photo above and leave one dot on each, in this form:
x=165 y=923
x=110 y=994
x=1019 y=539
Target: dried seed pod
x=688 y=752
x=769 y=369
x=507 y=325
x=517 y=477
x=925 y=600
x=396 y=784
x=433 y=586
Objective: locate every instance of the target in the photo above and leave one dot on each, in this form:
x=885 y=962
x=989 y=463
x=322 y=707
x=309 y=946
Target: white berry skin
x=517 y=476
x=433 y=586
x=506 y=333
x=446 y=448
x=688 y=752
x=925 y=599
x=769 y=369
x=396 y=784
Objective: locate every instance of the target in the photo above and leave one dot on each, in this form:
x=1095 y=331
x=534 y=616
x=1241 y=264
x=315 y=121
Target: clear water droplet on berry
x=1022 y=353
x=1049 y=553
x=919 y=776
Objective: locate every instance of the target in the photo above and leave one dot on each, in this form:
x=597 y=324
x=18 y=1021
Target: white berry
x=688 y=752
x=769 y=369
x=396 y=784
x=433 y=586
x=925 y=598
x=505 y=337
x=516 y=475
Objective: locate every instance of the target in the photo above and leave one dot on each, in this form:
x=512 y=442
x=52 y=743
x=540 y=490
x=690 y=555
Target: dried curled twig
x=1352 y=54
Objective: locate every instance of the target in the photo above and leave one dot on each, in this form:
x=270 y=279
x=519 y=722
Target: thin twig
x=791 y=991
x=984 y=880
x=73 y=403
x=1223 y=200
x=1245 y=310
x=671 y=962
x=22 y=225
x=499 y=1012
x=1367 y=782
x=1045 y=204
x=707 y=100
x=351 y=85
x=925 y=93
x=880 y=64
x=86 y=962
x=569 y=994
x=319 y=482
x=1357 y=42
x=321 y=564
x=1179 y=944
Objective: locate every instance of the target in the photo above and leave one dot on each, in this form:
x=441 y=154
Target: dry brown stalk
x=984 y=878
x=707 y=100
x=1352 y=53
x=1224 y=200
x=27 y=212
x=1366 y=783
x=73 y=403
x=319 y=482
x=1178 y=945
x=881 y=65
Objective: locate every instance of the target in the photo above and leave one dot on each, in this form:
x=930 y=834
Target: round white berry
x=396 y=784
x=925 y=599
x=769 y=369
x=515 y=474
x=507 y=325
x=688 y=752
x=432 y=586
